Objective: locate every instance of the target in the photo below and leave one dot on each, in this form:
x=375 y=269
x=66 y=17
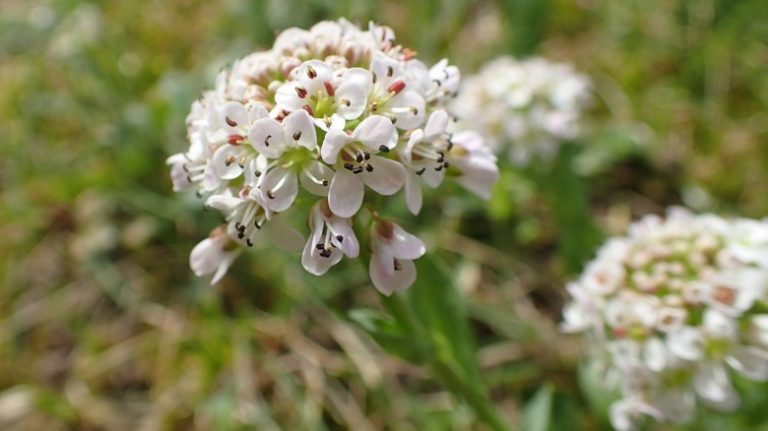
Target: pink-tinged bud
x=329 y=88
x=396 y=87
x=235 y=139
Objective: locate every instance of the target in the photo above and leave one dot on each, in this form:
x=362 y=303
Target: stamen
x=384 y=149
x=266 y=140
x=339 y=238
x=302 y=93
x=235 y=139
x=345 y=102
x=398 y=267
x=396 y=87
x=349 y=166
x=230 y=159
x=369 y=168
x=309 y=110
x=297 y=135
x=248 y=242
x=421 y=171
x=230 y=122
x=329 y=88
x=373 y=77
x=311 y=73
x=390 y=71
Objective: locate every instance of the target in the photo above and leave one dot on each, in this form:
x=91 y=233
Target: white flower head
x=675 y=315
x=326 y=112
x=524 y=107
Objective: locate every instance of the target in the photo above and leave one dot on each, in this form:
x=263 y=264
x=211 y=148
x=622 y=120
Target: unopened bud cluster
x=330 y=112
x=524 y=107
x=675 y=308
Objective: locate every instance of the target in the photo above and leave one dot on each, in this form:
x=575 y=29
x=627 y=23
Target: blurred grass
x=102 y=325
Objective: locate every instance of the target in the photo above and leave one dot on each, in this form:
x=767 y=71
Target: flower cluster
x=337 y=113
x=529 y=106
x=674 y=306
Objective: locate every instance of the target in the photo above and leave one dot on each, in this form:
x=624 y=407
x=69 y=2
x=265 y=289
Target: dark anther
x=266 y=140
x=257 y=225
x=270 y=195
x=320 y=246
x=349 y=166
x=297 y=136
x=230 y=122
x=397 y=265
x=369 y=168
x=257 y=173
x=311 y=72
x=248 y=242
x=390 y=71
x=325 y=182
x=325 y=253
x=302 y=93
x=359 y=158
x=339 y=238
x=421 y=171
x=230 y=159
x=439 y=168
x=367 y=155
x=441 y=157
x=446 y=165
x=237 y=225
x=357 y=170
x=373 y=77
x=384 y=149
x=241 y=235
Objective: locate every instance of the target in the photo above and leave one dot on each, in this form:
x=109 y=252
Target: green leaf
x=537 y=413
x=393 y=337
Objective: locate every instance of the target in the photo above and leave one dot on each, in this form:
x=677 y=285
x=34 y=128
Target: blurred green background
x=104 y=327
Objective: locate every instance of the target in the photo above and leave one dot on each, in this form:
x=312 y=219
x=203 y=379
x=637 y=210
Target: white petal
x=334 y=141
x=300 y=130
x=686 y=343
x=413 y=193
x=352 y=100
x=750 y=362
x=320 y=171
x=433 y=177
x=375 y=131
x=718 y=324
x=226 y=162
x=358 y=76
x=316 y=264
x=436 y=124
x=395 y=281
x=346 y=193
x=336 y=122
x=386 y=70
x=655 y=354
x=406 y=151
x=234 y=117
x=267 y=137
x=405 y=245
x=225 y=203
x=349 y=244
x=287 y=96
x=283 y=187
x=712 y=385
x=413 y=116
x=387 y=176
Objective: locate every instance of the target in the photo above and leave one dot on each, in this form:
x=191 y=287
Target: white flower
x=321 y=113
x=356 y=162
x=475 y=162
x=524 y=107
x=331 y=237
x=214 y=255
x=626 y=413
x=392 y=253
x=678 y=311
